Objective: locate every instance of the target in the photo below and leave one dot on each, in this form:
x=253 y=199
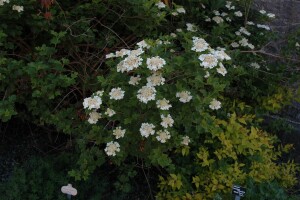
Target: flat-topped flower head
x=173 y=35
x=191 y=27
x=167 y=121
x=263 y=12
x=163 y=136
x=222 y=70
x=92 y=103
x=3 y=1
x=130 y=63
x=136 y=52
x=146 y=93
x=118 y=132
x=94 y=117
x=143 y=44
x=185 y=140
x=121 y=67
x=215 y=104
x=271 y=15
x=155 y=79
x=18 y=8
x=218 y=19
x=255 y=65
x=234 y=44
x=122 y=53
x=207 y=74
x=243 y=42
x=199 y=44
x=110 y=55
x=110 y=112
x=244 y=31
x=111 y=148
x=134 y=80
x=238 y=13
x=116 y=93
x=250 y=23
x=99 y=93
x=216 y=12
x=263 y=26
x=184 y=96
x=163 y=104
x=221 y=55
x=180 y=10
x=208 y=61
x=147 y=129
x=155 y=63
x=160 y=5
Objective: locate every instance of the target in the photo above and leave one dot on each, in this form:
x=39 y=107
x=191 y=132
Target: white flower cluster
x=134 y=80
x=215 y=104
x=163 y=104
x=3 y=1
x=208 y=60
x=199 y=44
x=181 y=10
x=146 y=93
x=266 y=27
x=155 y=79
x=166 y=121
x=190 y=27
x=14 y=7
x=111 y=148
x=184 y=96
x=218 y=19
x=116 y=93
x=147 y=129
x=270 y=15
x=92 y=102
x=220 y=54
x=185 y=140
x=130 y=63
x=243 y=30
x=155 y=63
x=143 y=45
x=222 y=70
x=178 y=10
x=228 y=5
x=238 y=13
x=94 y=117
x=243 y=42
x=163 y=136
x=110 y=112
x=160 y=5
x=255 y=65
x=118 y=132
x=18 y=8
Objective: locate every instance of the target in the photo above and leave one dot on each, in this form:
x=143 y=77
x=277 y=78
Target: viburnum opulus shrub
x=165 y=101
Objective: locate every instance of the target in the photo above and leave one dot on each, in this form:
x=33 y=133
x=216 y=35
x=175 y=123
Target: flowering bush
x=169 y=95
x=186 y=98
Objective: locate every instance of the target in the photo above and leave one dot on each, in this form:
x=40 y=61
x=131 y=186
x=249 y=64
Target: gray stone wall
x=287 y=13
x=287 y=20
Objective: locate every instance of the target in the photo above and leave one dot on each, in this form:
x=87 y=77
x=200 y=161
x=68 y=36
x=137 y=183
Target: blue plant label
x=238 y=191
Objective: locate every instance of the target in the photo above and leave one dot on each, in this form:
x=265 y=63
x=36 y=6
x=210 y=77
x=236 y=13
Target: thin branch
x=271 y=55
x=147 y=181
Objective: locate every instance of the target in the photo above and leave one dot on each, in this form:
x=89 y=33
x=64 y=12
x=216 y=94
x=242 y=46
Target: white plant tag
x=69 y=190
